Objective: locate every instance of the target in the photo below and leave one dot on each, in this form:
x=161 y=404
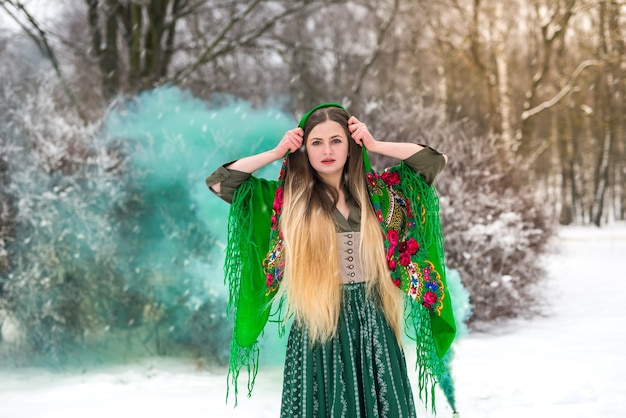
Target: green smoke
x=176 y=140
x=462 y=310
x=173 y=228
x=118 y=244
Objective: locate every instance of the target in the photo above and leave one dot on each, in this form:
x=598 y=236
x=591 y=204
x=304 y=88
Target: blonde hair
x=311 y=284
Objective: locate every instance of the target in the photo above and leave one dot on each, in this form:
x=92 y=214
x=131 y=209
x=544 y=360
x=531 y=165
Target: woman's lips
x=328 y=161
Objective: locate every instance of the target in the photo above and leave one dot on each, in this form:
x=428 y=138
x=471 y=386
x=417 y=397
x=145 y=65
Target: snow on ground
x=566 y=364
x=569 y=363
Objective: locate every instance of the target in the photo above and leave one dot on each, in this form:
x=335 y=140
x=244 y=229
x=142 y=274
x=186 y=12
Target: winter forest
x=113 y=112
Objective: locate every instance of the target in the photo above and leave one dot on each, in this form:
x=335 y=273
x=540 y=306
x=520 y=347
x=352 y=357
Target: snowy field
x=566 y=364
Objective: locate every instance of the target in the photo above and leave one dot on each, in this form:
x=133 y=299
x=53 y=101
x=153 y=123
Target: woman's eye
x=336 y=140
x=316 y=142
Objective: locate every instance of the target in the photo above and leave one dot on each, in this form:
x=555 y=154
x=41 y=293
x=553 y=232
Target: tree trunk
x=606 y=128
x=133 y=18
x=109 y=58
x=619 y=147
x=104 y=45
x=502 y=70
x=563 y=140
x=170 y=29
x=552 y=30
x=602 y=177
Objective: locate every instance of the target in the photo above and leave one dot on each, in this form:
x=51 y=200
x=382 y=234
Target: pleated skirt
x=361 y=372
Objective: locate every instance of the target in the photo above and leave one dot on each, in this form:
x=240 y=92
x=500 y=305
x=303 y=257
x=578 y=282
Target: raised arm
x=291 y=141
x=399 y=150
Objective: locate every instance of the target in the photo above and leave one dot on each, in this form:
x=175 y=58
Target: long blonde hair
x=311 y=284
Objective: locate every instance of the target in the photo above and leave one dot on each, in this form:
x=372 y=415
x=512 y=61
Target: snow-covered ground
x=569 y=363
x=566 y=364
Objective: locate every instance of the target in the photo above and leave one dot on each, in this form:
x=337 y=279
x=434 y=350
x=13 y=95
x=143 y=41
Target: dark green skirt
x=359 y=373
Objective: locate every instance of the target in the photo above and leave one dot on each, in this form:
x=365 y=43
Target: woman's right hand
x=292 y=141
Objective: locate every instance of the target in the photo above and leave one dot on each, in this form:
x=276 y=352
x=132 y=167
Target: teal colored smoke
x=117 y=246
x=462 y=310
x=461 y=306
x=172 y=228
x=177 y=140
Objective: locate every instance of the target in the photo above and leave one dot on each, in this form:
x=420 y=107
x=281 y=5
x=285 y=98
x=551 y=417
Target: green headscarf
x=320 y=106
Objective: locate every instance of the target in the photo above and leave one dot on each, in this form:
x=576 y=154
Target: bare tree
x=40 y=37
x=167 y=41
x=611 y=48
x=553 y=22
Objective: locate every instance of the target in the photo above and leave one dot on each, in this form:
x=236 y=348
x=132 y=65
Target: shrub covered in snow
x=7 y=209
x=96 y=262
x=61 y=274
x=497 y=232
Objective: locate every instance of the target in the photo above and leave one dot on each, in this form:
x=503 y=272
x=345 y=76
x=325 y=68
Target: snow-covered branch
x=571 y=83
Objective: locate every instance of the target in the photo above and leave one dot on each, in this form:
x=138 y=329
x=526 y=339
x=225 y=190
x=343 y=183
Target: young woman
x=350 y=255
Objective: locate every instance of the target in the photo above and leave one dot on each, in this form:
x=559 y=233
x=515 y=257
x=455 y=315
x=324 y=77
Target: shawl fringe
x=240 y=243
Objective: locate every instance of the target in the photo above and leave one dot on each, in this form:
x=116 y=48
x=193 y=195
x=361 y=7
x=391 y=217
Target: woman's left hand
x=360 y=133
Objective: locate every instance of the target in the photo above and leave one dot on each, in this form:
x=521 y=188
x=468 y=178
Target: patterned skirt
x=360 y=373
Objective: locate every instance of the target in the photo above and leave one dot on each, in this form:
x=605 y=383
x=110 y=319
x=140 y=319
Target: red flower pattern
x=430 y=298
x=392 y=236
x=390 y=179
x=412 y=246
x=278 y=199
x=405 y=259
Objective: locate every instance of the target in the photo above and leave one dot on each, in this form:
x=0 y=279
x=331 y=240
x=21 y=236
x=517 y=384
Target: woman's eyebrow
x=332 y=137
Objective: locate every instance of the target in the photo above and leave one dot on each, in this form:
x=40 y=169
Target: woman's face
x=327 y=150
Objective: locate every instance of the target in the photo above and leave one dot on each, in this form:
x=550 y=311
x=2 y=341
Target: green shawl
x=408 y=211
